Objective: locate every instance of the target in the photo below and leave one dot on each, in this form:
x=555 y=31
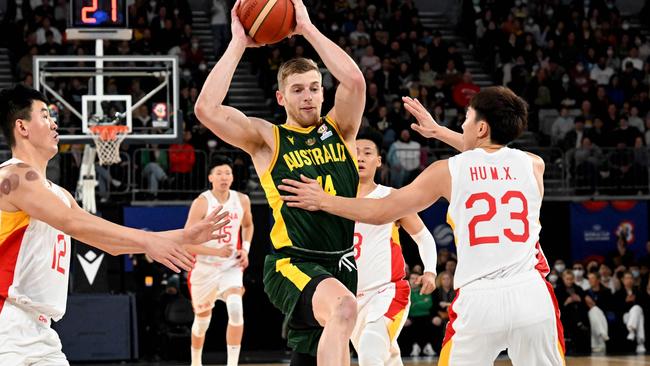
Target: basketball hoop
x=107 y=140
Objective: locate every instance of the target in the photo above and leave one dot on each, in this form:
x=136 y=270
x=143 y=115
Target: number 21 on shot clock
x=98 y=14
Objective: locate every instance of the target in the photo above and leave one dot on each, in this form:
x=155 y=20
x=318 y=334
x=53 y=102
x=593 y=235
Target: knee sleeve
x=235 y=310
x=200 y=325
x=374 y=347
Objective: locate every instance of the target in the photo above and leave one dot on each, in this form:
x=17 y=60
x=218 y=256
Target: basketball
x=267 y=21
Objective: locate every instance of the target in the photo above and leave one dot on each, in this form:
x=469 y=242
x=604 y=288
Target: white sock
x=196 y=356
x=233 y=355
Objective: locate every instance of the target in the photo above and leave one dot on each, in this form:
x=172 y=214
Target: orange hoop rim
x=108 y=132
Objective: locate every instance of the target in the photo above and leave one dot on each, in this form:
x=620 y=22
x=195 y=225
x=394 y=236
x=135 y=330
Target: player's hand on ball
x=306 y=193
x=238 y=31
x=426 y=125
x=302 y=17
x=242 y=257
x=208 y=228
x=428 y=282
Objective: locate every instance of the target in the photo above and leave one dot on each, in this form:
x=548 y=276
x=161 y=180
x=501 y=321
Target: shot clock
x=98 y=19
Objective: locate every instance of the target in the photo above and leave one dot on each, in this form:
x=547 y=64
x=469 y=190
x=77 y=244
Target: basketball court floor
x=570 y=361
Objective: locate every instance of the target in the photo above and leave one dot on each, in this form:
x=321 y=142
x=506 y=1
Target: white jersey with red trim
x=377 y=251
x=236 y=213
x=34 y=260
x=494 y=213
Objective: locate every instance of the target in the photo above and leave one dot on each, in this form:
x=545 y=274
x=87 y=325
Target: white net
x=107 y=141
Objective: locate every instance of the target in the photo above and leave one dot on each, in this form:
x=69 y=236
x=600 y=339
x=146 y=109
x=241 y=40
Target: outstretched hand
x=426 y=125
x=306 y=193
x=238 y=32
x=168 y=253
x=208 y=228
x=302 y=17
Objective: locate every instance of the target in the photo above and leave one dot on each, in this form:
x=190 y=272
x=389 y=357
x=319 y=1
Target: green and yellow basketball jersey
x=318 y=152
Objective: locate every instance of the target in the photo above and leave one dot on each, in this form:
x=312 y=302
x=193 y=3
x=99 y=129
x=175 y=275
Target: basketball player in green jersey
x=311 y=276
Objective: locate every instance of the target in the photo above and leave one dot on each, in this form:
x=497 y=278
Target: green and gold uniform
x=308 y=244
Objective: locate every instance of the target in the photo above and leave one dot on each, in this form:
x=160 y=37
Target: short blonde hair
x=299 y=65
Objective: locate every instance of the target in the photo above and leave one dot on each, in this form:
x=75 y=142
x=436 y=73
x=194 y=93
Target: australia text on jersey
x=490 y=173
x=316 y=156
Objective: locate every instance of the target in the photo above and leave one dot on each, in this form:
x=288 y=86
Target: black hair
x=373 y=136
x=16 y=103
x=504 y=111
x=220 y=160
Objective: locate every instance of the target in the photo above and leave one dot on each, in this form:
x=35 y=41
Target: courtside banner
x=156 y=218
x=435 y=218
x=596 y=225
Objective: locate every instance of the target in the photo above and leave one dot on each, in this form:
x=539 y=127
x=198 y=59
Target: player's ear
x=483 y=129
x=378 y=161
x=279 y=97
x=21 y=127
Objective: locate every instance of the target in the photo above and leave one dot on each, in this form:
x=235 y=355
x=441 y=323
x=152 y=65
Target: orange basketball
x=267 y=21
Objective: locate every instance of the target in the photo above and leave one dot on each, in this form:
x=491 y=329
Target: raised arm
x=428 y=127
x=434 y=182
x=228 y=123
x=28 y=193
x=350 y=97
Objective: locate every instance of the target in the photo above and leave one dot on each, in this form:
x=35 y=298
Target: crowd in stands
x=160 y=27
x=586 y=76
x=604 y=301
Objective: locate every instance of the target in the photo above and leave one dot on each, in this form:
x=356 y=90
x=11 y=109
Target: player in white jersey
x=37 y=218
x=220 y=264
x=495 y=193
x=382 y=291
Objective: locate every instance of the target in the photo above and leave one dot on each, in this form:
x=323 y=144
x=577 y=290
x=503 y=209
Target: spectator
x=634 y=120
x=41 y=32
x=219 y=25
x=579 y=276
x=443 y=296
x=632 y=313
x=575 y=319
x=586 y=160
x=465 y=90
x=370 y=61
x=601 y=73
x=182 y=156
x=599 y=301
x=404 y=159
x=625 y=134
x=426 y=75
x=155 y=163
x=633 y=57
x=573 y=138
x=561 y=126
x=418 y=327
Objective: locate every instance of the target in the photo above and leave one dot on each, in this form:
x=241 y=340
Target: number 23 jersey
x=494 y=213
